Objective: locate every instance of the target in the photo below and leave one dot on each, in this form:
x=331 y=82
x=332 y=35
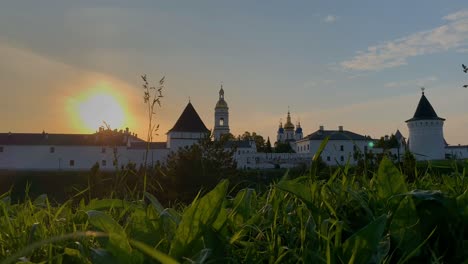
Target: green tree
x=285 y=147
x=268 y=148
x=392 y=142
x=198 y=167
x=259 y=140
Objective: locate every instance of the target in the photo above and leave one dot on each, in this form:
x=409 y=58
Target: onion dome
x=298 y=128
x=289 y=125
x=280 y=129
x=221 y=103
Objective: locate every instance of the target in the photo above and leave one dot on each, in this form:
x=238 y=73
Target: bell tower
x=221 y=116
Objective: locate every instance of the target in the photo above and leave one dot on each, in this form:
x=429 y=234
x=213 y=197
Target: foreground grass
x=343 y=219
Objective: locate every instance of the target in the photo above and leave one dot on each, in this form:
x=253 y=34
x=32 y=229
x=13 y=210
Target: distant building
x=287 y=133
x=43 y=151
x=342 y=145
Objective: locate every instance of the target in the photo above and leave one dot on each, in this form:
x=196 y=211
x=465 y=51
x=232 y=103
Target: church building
x=287 y=133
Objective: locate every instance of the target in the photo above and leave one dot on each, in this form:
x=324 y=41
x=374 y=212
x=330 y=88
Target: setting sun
x=100 y=108
x=90 y=109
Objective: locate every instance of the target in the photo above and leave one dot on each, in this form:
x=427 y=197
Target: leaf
x=156 y=204
x=360 y=247
x=201 y=214
x=75 y=254
x=107 y=203
x=462 y=205
x=242 y=204
x=303 y=188
x=118 y=243
x=404 y=228
x=316 y=158
x=102 y=256
x=390 y=182
x=155 y=254
x=41 y=200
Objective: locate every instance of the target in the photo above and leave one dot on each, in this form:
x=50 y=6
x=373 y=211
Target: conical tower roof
x=424 y=111
x=189 y=121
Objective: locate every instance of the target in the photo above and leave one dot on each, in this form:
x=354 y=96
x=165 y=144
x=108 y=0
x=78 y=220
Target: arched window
x=221 y=121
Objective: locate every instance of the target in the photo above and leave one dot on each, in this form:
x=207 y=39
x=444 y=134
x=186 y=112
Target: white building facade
x=341 y=147
x=111 y=149
x=42 y=151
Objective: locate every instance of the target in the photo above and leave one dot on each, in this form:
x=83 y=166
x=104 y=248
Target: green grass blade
x=153 y=253
x=360 y=247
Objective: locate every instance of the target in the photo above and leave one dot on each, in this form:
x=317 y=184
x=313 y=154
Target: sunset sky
x=359 y=64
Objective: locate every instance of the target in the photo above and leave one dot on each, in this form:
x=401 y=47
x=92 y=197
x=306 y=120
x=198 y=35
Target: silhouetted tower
x=221 y=117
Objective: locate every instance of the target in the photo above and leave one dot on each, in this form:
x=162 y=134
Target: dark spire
x=424 y=111
x=189 y=121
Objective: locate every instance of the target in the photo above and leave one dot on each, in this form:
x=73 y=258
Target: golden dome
x=289 y=125
x=221 y=104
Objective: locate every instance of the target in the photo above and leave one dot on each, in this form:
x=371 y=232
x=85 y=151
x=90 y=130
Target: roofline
x=172 y=130
x=429 y=118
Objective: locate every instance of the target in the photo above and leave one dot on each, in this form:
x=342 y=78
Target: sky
x=359 y=64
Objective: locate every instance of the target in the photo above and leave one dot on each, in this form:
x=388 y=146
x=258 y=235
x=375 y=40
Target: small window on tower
x=1 y=149
x=104 y=162
x=72 y=163
x=52 y=150
x=221 y=121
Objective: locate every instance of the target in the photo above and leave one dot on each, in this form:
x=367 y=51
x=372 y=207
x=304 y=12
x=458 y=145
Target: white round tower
x=426 y=136
x=221 y=118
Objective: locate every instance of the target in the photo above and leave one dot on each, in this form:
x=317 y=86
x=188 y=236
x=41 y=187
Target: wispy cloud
x=412 y=83
x=319 y=83
x=452 y=35
x=330 y=19
x=463 y=50
x=457 y=15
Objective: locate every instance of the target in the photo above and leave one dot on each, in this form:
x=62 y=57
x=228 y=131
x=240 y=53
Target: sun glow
x=99 y=108
x=99 y=105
